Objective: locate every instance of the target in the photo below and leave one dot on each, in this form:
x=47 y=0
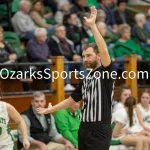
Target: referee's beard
x=90 y=64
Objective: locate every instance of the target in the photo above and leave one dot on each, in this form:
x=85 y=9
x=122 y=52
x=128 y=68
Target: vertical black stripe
x=97 y=95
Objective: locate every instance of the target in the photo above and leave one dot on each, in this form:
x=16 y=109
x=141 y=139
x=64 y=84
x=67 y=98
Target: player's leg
x=139 y=142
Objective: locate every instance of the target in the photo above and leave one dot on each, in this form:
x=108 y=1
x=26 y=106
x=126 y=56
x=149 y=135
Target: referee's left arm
x=75 y=97
x=104 y=55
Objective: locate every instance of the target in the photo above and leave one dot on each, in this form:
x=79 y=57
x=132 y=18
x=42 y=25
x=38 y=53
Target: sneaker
x=69 y=87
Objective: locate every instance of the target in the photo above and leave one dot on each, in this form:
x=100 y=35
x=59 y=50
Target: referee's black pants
x=94 y=136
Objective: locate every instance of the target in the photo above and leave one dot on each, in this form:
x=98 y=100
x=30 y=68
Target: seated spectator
x=121 y=15
x=122 y=123
x=125 y=92
x=67 y=123
x=101 y=16
x=80 y=7
x=63 y=8
x=142 y=37
x=125 y=45
x=52 y=4
x=140 y=34
x=113 y=5
x=103 y=30
x=8 y=55
x=110 y=19
x=72 y=30
x=143 y=112
x=37 y=47
x=61 y=46
x=147 y=25
x=42 y=132
x=37 y=15
x=110 y=37
x=22 y=22
x=38 y=51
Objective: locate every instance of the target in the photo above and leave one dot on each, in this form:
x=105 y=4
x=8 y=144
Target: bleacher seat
x=13 y=39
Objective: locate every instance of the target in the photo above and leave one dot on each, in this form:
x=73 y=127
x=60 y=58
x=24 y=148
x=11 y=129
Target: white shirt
x=5 y=136
x=118 y=106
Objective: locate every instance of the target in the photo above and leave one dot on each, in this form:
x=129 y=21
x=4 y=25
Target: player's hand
x=124 y=131
x=90 y=21
x=46 y=110
x=26 y=143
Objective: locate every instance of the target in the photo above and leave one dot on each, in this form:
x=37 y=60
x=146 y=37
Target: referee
x=96 y=91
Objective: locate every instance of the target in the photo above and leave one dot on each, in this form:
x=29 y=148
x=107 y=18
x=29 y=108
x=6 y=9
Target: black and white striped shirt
x=97 y=95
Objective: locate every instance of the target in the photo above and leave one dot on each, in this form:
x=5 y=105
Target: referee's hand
x=91 y=20
x=45 y=110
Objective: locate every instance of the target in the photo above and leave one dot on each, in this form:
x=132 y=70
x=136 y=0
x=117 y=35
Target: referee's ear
x=99 y=56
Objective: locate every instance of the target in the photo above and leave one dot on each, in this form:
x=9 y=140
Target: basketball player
x=7 y=112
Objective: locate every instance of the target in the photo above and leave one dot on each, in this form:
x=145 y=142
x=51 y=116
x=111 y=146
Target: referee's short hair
x=92 y=45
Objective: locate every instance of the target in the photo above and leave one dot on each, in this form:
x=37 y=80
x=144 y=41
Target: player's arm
x=140 y=119
x=62 y=105
x=117 y=130
x=104 y=55
x=16 y=117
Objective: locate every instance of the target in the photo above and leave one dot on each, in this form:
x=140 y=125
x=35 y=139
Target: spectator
x=125 y=45
x=147 y=25
x=42 y=132
x=63 y=8
x=61 y=46
x=108 y=39
x=52 y=4
x=67 y=123
x=110 y=20
x=73 y=31
x=125 y=92
x=101 y=16
x=121 y=15
x=38 y=15
x=140 y=34
x=8 y=55
x=80 y=7
x=22 y=22
x=122 y=123
x=38 y=50
x=113 y=5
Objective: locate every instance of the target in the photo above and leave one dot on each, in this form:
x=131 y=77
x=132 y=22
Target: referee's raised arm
x=105 y=58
